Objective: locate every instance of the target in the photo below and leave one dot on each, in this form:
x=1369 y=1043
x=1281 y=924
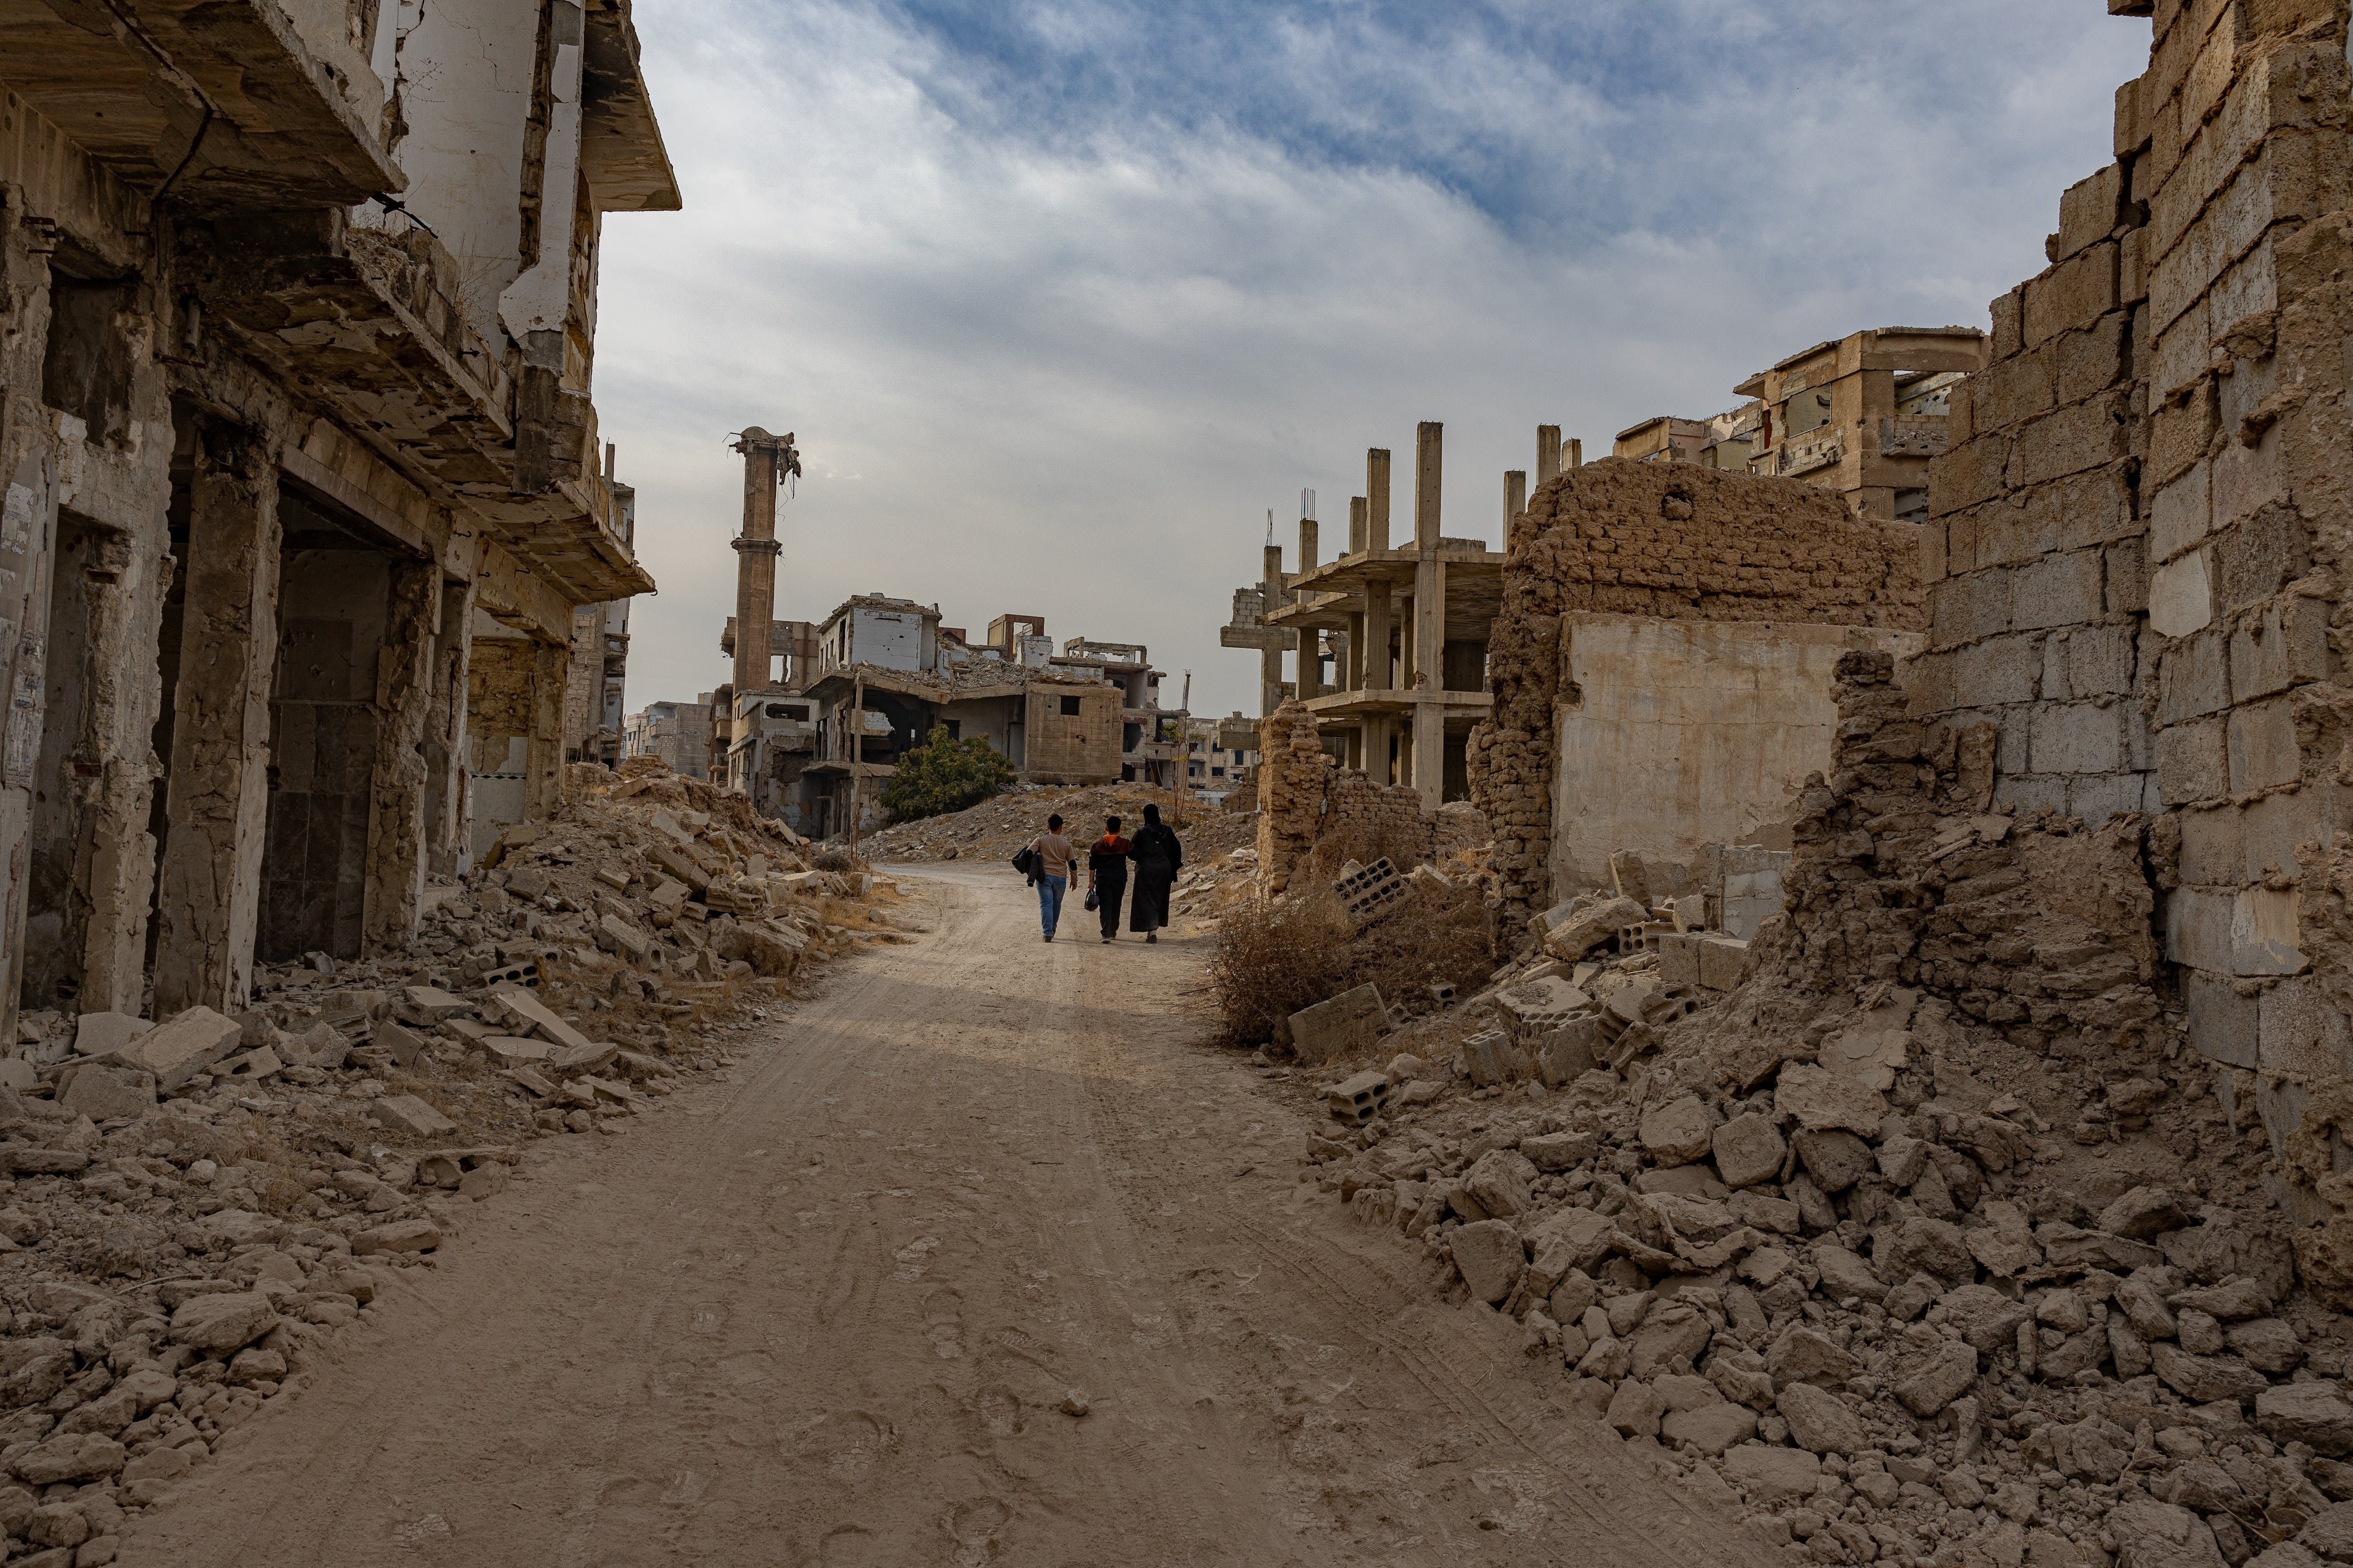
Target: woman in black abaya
x=1157 y=857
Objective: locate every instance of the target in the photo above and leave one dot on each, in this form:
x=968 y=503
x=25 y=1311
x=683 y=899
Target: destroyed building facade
x=1663 y=666
x=677 y=733
x=303 y=485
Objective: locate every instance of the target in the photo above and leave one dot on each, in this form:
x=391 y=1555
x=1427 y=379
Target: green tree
x=944 y=775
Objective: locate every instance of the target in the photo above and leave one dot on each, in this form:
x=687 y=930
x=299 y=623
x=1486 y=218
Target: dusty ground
x=828 y=1314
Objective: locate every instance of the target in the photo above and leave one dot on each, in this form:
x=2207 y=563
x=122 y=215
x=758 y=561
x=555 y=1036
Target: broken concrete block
x=222 y=1324
x=1723 y=961
x=1677 y=1133
x=1772 y=1475
x=1491 y=1058
x=74 y=1457
x=529 y=1080
x=1821 y=1423
x=101 y=1034
x=104 y=1092
x=1678 y=959
x=1578 y=934
x=406 y=1114
x=513 y=1050
x=1360 y=1099
x=405 y=1044
x=1490 y=1257
x=531 y=1011
x=433 y=1004
x=1560 y=1151
x=250 y=1068
x=484 y=1181
x=401 y=1236
x=1749 y=1151
x=1938 y=1378
x=623 y=940
x=1545 y=1003
x=1339 y=1026
x=1567 y=1052
x=587 y=1057
x=1818 y=1100
x=179 y=1048
x=1368 y=894
x=16 y=1073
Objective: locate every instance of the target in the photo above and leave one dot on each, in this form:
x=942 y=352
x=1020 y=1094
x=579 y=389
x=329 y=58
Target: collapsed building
x=677 y=733
x=302 y=477
x=1860 y=416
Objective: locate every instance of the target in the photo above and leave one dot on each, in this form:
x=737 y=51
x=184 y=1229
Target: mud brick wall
x=1305 y=800
x=1670 y=539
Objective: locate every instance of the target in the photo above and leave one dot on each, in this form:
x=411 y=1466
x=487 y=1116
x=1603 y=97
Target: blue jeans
x=1050 y=901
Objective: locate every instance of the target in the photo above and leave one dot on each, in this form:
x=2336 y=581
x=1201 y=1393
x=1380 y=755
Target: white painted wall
x=890 y=638
x=464 y=78
x=1685 y=733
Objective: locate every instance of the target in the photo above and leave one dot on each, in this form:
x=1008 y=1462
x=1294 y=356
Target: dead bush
x=839 y=859
x=1274 y=959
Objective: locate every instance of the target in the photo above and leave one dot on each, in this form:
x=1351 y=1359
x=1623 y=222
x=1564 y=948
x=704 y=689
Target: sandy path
x=827 y=1315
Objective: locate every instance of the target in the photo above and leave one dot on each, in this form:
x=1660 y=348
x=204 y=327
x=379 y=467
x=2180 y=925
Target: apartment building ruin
x=303 y=486
x=1860 y=416
x=677 y=733
x=845 y=697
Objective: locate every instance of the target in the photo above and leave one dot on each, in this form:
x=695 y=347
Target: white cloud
x=1064 y=366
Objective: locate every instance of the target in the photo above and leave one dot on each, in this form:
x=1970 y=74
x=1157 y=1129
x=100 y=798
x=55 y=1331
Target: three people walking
x=1155 y=853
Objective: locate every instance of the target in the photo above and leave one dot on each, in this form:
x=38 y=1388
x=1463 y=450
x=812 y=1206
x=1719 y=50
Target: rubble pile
x=188 y=1208
x=1002 y=824
x=1862 y=1246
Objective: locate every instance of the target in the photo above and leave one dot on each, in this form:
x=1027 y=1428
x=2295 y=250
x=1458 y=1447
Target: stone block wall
x=2134 y=555
x=1671 y=540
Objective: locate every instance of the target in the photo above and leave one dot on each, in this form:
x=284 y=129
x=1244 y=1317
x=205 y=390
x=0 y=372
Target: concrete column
x=1356 y=525
x=1310 y=662
x=1270 y=659
x=544 y=790
x=1377 y=498
x=1429 y=757
x=1352 y=664
x=1548 y=455
x=755 y=557
x=447 y=832
x=1378 y=608
x=1515 y=498
x=118 y=726
x=27 y=556
x=209 y=902
x=1575 y=454
x=401 y=780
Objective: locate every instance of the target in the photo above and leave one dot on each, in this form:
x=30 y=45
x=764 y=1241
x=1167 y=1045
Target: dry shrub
x=1365 y=842
x=1274 y=959
x=839 y=859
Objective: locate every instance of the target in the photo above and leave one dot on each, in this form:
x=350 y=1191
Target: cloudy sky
x=1061 y=296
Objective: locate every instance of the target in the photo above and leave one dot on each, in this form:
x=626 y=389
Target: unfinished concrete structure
x=1663 y=664
x=301 y=470
x=1403 y=632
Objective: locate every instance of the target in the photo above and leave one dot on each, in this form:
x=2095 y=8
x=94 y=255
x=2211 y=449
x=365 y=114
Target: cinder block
x=2181 y=595
x=2303 y=1034
x=2132 y=273
x=2214 y=847
x=2193 y=761
x=2070 y=513
x=1723 y=962
x=2223 y=1025
x=2280 y=1104
x=2179 y=351
x=2077 y=737
x=2075 y=293
x=1678 y=959
x=2097 y=799
x=2086 y=363
x=2182 y=513
x=2123 y=570
x=2265 y=936
x=2088 y=435
x=2286 y=647
x=2056 y=591
x=2012 y=391
x=2193 y=677
x=2263 y=745
x=2259 y=557
x=1967 y=474
x=1997 y=670
x=2275 y=829
x=1928 y=683
x=2247 y=286
x=2095 y=661
x=2009 y=312
x=1932 y=550
x=2178 y=435
x=2087 y=211
x=2198 y=929
x=2026 y=793
x=1964 y=609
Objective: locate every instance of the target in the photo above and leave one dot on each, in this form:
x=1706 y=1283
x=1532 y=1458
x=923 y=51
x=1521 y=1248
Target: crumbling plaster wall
x=1681 y=734
x=1674 y=542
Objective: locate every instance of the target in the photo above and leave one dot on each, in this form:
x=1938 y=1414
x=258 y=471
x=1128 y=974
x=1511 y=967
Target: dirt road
x=828 y=1314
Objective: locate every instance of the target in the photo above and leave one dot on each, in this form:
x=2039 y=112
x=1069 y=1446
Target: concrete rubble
x=189 y=1211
